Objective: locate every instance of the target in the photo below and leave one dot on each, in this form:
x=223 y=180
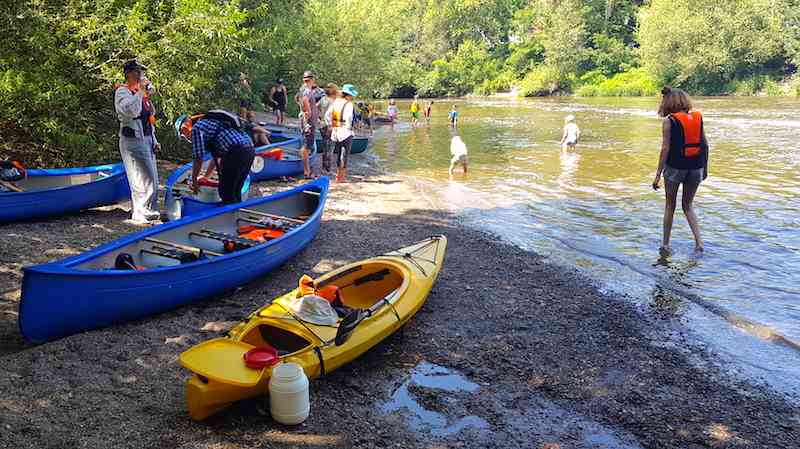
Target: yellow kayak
x=379 y=296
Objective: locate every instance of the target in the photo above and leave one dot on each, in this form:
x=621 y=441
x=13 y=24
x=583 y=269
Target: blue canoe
x=360 y=143
x=265 y=169
x=58 y=191
x=85 y=292
x=179 y=201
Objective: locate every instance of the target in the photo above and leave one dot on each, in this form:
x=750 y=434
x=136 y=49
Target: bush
x=633 y=83
x=502 y=83
x=541 y=81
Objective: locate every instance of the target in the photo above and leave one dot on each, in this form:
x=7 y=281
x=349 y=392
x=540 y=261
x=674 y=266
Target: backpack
x=184 y=123
x=228 y=119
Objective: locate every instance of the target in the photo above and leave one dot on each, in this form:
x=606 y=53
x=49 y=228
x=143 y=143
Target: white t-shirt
x=457 y=147
x=345 y=110
x=572 y=132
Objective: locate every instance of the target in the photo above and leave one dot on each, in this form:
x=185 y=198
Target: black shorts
x=280 y=106
x=244 y=103
x=342 y=150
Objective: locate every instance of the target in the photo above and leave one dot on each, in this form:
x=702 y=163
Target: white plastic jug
x=288 y=394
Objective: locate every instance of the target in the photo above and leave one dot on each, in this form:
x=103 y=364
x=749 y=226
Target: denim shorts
x=692 y=176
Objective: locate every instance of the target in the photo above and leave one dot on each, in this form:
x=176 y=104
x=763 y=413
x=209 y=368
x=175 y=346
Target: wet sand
x=508 y=352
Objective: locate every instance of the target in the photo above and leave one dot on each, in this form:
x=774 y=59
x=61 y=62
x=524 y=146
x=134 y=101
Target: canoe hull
x=68 y=199
x=360 y=145
x=58 y=300
x=268 y=169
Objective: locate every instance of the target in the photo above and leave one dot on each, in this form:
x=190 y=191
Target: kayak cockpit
x=285 y=342
x=367 y=285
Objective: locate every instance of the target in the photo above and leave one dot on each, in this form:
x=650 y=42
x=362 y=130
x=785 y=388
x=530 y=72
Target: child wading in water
x=571 y=134
x=683 y=160
x=453 y=116
x=459 y=152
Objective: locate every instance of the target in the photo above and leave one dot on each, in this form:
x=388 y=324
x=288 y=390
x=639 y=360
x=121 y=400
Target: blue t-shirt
x=453 y=115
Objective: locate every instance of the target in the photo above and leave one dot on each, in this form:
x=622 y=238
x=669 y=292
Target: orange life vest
x=691 y=125
x=259 y=233
x=306 y=287
x=275 y=153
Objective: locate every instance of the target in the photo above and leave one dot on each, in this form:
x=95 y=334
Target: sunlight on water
x=594 y=209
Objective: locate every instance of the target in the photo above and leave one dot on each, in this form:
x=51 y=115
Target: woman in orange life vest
x=683 y=160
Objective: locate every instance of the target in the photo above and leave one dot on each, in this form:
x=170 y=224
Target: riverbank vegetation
x=60 y=58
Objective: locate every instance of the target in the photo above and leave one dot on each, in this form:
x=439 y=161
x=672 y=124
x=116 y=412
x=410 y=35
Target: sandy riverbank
x=544 y=359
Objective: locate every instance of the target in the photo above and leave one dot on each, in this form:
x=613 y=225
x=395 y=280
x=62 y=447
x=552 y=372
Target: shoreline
x=557 y=363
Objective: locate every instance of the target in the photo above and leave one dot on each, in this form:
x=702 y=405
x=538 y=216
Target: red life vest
x=691 y=127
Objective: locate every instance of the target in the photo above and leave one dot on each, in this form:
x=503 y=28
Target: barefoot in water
x=664 y=251
x=698 y=250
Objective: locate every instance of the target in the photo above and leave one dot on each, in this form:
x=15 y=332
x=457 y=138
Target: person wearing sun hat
x=137 y=141
x=571 y=135
x=340 y=116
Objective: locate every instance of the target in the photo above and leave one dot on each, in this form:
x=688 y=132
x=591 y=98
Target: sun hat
x=280 y=80
x=308 y=74
x=349 y=89
x=569 y=118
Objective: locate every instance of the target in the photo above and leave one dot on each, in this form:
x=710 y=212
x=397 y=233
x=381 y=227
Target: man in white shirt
x=137 y=142
x=340 y=116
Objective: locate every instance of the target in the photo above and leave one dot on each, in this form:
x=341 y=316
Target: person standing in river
x=414 y=109
x=137 y=141
x=683 y=161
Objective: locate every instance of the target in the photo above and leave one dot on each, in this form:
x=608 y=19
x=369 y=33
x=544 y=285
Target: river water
x=594 y=209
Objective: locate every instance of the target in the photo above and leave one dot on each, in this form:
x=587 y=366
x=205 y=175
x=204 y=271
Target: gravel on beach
x=552 y=362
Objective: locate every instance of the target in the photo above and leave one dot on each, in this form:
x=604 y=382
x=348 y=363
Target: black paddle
x=348 y=325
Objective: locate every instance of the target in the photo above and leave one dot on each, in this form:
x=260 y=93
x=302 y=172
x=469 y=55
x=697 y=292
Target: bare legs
x=688 y=210
x=671 y=197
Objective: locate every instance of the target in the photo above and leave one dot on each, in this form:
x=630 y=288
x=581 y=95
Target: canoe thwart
x=258 y=213
x=182 y=247
x=172 y=253
x=227 y=239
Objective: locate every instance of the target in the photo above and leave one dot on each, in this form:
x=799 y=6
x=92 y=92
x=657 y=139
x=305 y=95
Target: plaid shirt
x=213 y=137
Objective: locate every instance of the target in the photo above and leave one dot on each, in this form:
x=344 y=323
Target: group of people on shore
x=225 y=139
x=229 y=142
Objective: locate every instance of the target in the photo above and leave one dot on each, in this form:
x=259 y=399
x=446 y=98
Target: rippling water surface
x=594 y=209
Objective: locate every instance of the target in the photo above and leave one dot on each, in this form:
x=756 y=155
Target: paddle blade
x=348 y=325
